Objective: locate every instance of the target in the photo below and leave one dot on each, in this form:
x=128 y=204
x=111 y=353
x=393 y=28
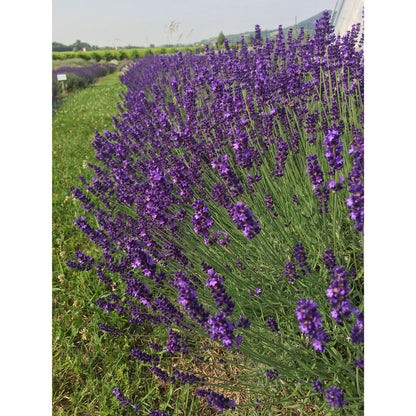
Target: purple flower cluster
x=333 y=150
x=187 y=377
x=144 y=357
x=219 y=328
x=121 y=398
x=271 y=374
x=357 y=330
x=243 y=218
x=335 y=397
x=201 y=220
x=317 y=386
x=338 y=292
x=300 y=256
x=157 y=413
x=187 y=297
x=329 y=259
x=315 y=171
x=290 y=272
x=272 y=325
x=310 y=322
x=216 y=400
x=228 y=175
x=359 y=363
x=355 y=201
x=125 y=401
x=218 y=293
x=280 y=158
x=110 y=329
x=176 y=343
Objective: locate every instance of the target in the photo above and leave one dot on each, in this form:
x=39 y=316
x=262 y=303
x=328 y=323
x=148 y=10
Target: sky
x=143 y=22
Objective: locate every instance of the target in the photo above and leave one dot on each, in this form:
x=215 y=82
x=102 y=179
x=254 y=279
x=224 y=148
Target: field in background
x=119 y=54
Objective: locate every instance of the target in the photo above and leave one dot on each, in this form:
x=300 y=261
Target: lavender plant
x=80 y=76
x=228 y=209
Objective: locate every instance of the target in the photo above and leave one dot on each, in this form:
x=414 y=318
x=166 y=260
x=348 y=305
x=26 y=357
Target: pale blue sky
x=142 y=22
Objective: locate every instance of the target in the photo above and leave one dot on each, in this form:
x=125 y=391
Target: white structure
x=348 y=13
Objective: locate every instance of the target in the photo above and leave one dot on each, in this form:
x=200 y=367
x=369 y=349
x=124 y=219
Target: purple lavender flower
x=315 y=171
x=359 y=363
x=272 y=325
x=219 y=401
x=323 y=195
x=300 y=256
x=244 y=220
x=295 y=199
x=157 y=413
x=257 y=292
x=355 y=202
x=175 y=342
x=271 y=374
x=329 y=259
x=317 y=386
x=290 y=272
x=156 y=347
x=187 y=297
x=281 y=156
x=158 y=372
x=357 y=330
x=269 y=203
x=219 y=328
x=187 y=377
x=335 y=397
x=310 y=322
x=215 y=283
x=142 y=356
x=107 y=328
x=125 y=401
x=201 y=220
x=338 y=294
x=334 y=148
x=83 y=262
x=243 y=323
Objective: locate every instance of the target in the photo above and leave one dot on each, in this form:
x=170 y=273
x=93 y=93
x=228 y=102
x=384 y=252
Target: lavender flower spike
x=310 y=322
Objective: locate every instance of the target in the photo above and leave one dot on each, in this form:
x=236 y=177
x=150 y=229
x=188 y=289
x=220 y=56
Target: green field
x=119 y=54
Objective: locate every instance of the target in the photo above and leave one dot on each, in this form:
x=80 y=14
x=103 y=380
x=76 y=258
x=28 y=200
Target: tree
x=220 y=39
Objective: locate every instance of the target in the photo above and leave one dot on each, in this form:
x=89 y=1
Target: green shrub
x=133 y=54
x=109 y=55
x=121 y=55
x=73 y=82
x=83 y=55
x=68 y=55
x=96 y=55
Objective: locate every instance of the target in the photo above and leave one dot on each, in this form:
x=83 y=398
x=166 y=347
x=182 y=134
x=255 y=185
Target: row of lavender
x=80 y=76
x=228 y=207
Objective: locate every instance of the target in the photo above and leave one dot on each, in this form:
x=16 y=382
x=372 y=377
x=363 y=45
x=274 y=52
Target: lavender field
x=226 y=209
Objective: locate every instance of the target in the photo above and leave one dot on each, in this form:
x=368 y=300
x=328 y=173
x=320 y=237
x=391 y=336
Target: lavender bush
x=228 y=209
x=80 y=76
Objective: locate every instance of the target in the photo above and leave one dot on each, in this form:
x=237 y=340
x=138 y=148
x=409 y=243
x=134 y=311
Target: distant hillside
x=307 y=24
